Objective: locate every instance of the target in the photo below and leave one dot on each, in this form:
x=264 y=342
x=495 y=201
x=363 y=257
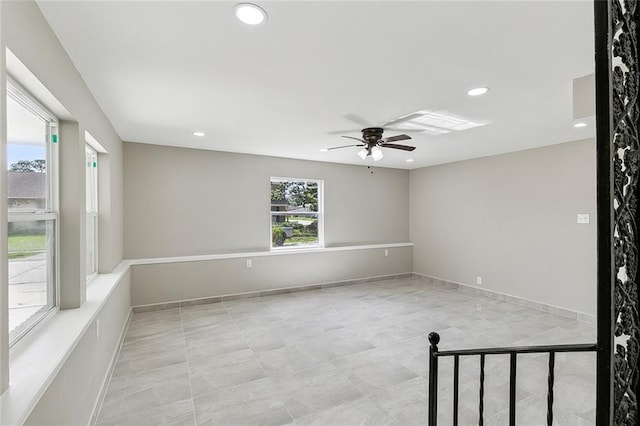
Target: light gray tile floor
x=351 y=355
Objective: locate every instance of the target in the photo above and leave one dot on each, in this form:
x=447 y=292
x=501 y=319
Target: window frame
x=93 y=212
x=51 y=211
x=320 y=213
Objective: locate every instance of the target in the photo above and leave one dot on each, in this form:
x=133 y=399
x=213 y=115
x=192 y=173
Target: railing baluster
x=552 y=361
x=481 y=407
x=512 y=389
x=434 y=339
x=456 y=374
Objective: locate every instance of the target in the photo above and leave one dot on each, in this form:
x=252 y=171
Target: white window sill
x=35 y=360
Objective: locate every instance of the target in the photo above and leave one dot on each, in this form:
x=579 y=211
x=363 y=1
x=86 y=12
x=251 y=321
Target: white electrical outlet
x=249 y=263
x=479 y=307
x=386 y=252
x=479 y=280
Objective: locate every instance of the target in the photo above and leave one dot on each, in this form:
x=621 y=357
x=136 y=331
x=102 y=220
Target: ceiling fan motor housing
x=372 y=134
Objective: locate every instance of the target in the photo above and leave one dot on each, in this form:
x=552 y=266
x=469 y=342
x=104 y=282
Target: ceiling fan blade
x=358 y=120
x=342 y=132
x=344 y=146
x=396 y=146
x=402 y=119
x=354 y=138
x=395 y=138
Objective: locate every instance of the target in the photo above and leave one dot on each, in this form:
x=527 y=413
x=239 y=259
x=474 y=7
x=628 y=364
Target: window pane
x=91 y=197
x=31 y=274
x=91 y=162
x=26 y=158
x=294 y=213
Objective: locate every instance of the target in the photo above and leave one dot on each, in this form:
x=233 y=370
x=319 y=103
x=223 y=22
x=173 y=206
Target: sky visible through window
x=17 y=152
x=26 y=134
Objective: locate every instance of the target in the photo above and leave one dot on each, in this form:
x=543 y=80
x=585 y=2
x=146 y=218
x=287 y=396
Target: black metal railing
x=513 y=352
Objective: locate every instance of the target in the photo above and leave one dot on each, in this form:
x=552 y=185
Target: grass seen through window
x=25 y=245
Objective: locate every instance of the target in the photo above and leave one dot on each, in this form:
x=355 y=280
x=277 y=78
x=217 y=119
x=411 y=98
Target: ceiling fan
x=372 y=141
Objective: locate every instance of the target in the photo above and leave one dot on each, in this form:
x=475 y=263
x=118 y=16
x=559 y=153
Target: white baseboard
x=466 y=288
x=252 y=294
x=533 y=304
x=109 y=373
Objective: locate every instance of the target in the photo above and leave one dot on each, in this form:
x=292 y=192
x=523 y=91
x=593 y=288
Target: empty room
x=318 y=213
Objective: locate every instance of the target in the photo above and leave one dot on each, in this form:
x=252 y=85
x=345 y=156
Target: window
x=91 y=173
x=296 y=213
x=32 y=211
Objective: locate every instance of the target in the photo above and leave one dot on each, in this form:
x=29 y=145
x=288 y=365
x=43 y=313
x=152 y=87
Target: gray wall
x=157 y=283
x=181 y=201
x=509 y=218
x=512 y=220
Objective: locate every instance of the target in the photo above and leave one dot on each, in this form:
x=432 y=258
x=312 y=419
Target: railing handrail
x=581 y=347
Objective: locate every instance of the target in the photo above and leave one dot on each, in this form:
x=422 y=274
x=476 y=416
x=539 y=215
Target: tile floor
x=350 y=355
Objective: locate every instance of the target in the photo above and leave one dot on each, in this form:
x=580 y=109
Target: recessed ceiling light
x=323 y=150
x=580 y=125
x=198 y=134
x=409 y=160
x=478 y=91
x=250 y=14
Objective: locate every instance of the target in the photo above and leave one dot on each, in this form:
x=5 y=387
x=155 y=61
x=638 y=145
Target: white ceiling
x=161 y=70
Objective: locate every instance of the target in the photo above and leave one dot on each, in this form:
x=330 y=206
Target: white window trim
x=320 y=213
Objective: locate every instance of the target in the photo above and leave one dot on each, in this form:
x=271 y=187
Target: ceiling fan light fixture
x=376 y=153
x=250 y=13
x=363 y=153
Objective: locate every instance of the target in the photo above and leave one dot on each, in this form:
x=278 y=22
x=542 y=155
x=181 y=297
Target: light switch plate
x=583 y=217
